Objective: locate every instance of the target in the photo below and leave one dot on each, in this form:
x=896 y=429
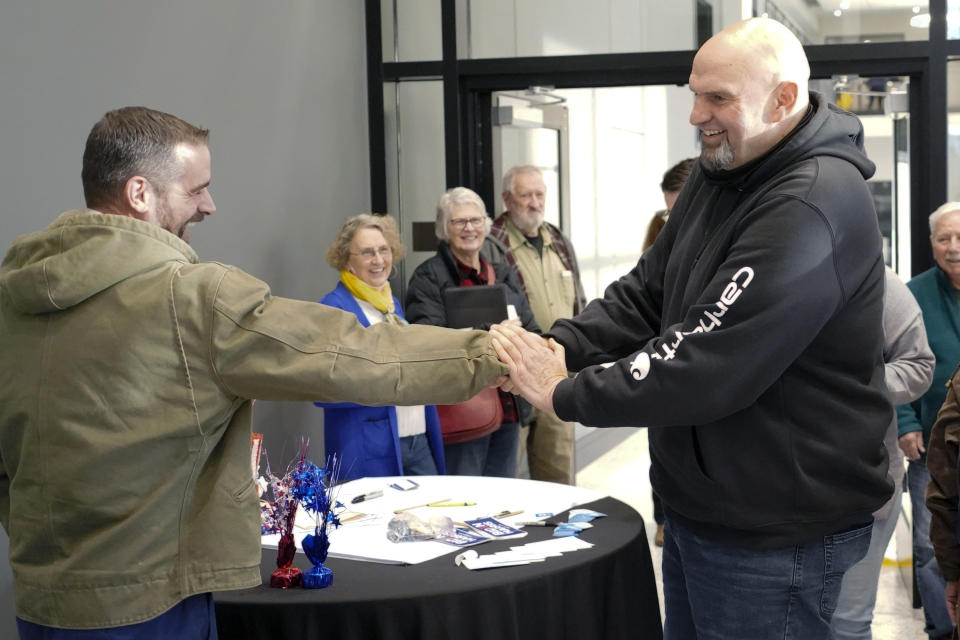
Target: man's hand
x=951 y=595
x=536 y=365
x=912 y=444
x=504 y=382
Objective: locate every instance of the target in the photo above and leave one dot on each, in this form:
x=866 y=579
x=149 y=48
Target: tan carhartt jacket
x=128 y=370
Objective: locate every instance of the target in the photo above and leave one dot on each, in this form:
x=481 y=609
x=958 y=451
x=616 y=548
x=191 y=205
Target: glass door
x=532 y=127
x=882 y=103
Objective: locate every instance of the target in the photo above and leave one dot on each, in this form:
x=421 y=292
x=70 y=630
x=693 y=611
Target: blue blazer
x=365 y=438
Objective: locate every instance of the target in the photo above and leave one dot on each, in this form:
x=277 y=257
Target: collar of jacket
x=446 y=254
x=40 y=271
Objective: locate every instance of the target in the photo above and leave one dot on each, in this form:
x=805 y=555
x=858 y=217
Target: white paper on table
x=473 y=561
x=367 y=539
x=524 y=554
x=557 y=545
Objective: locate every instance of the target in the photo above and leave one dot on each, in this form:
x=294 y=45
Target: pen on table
x=416 y=506
x=535 y=523
x=451 y=504
x=507 y=514
x=367 y=496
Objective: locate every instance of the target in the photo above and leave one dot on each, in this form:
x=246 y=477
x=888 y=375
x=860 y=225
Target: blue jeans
x=858 y=595
x=416 y=456
x=191 y=619
x=929 y=583
x=492 y=455
x=717 y=592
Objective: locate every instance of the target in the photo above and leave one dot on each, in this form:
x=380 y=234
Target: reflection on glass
x=413 y=128
x=855 y=21
x=953 y=130
x=519 y=28
x=953 y=19
x=530 y=129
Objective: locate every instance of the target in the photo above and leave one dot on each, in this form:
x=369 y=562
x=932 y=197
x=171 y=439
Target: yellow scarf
x=381 y=299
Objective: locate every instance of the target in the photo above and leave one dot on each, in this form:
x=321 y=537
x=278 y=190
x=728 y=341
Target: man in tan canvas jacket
x=125 y=394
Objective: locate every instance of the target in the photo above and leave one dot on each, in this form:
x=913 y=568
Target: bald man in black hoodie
x=749 y=339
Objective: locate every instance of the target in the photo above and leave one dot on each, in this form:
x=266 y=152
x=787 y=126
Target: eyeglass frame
x=460 y=224
x=369 y=254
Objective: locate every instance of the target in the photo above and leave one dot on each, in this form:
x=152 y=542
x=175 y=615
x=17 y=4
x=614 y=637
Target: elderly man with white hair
x=749 y=339
x=547 y=265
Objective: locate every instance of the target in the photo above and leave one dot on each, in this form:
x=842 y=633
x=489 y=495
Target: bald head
x=750 y=85
x=762 y=48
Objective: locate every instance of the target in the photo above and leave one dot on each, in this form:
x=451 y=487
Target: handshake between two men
x=537 y=365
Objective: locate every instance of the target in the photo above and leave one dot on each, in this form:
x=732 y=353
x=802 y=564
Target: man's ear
x=784 y=100
x=138 y=195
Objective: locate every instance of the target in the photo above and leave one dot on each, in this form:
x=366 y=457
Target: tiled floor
x=623 y=472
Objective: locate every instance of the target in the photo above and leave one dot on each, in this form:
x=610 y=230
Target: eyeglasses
x=370 y=253
x=461 y=223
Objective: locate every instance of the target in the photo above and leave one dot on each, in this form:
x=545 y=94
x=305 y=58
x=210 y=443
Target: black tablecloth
x=608 y=591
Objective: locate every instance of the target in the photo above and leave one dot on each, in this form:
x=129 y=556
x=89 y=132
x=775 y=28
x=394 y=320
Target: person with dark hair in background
x=129 y=372
x=673 y=180
x=375 y=441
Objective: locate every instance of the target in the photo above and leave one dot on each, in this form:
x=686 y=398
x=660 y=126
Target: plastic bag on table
x=406 y=527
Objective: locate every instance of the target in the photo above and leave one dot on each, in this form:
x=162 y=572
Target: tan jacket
x=551 y=288
x=125 y=481
x=942 y=494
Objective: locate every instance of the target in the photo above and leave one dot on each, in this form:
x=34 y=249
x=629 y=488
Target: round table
x=608 y=591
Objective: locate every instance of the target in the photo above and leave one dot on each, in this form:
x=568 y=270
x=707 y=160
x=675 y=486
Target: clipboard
x=469 y=307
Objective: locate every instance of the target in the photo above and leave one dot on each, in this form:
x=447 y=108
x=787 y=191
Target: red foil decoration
x=287 y=575
x=286 y=578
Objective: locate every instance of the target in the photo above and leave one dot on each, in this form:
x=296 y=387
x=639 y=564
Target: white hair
x=453 y=199
x=511 y=175
x=946 y=207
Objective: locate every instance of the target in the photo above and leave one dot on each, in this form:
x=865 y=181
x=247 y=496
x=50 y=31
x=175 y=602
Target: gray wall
x=282 y=87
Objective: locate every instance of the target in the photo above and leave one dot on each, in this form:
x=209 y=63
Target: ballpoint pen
x=451 y=504
x=416 y=506
x=367 y=496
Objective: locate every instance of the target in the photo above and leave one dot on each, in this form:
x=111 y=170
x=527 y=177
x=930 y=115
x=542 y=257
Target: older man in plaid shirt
x=547 y=266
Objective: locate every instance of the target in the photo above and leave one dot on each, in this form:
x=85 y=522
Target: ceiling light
x=920 y=21
x=844 y=5
x=916 y=8
x=837 y=12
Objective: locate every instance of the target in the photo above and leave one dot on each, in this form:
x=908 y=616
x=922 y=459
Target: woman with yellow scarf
x=375 y=441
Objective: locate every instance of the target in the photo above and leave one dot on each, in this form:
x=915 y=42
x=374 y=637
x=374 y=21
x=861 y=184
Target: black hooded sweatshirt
x=749 y=339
